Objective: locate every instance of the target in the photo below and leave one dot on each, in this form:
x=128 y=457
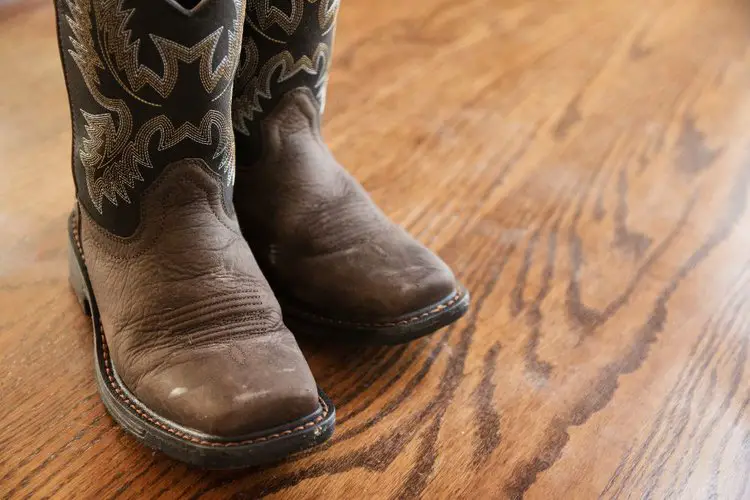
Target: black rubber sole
x=396 y=331
x=178 y=442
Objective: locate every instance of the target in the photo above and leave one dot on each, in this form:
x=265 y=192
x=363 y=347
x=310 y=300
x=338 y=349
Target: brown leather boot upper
x=192 y=327
x=320 y=240
x=319 y=237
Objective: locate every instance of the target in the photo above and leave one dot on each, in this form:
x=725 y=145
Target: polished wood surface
x=584 y=165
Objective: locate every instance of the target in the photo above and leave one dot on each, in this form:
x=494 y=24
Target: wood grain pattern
x=584 y=165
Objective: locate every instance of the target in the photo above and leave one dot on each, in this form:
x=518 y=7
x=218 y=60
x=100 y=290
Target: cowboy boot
x=336 y=263
x=192 y=356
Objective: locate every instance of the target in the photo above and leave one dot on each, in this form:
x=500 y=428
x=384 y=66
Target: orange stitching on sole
x=182 y=435
x=113 y=382
x=458 y=296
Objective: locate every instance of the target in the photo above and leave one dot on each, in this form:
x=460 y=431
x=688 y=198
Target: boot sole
x=181 y=443
x=396 y=331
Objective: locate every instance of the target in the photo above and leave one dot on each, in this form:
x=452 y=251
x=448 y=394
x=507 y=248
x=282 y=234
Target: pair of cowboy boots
x=207 y=205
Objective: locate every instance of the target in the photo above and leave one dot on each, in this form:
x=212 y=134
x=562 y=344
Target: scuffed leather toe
x=437 y=284
x=422 y=281
x=233 y=390
x=331 y=255
x=397 y=280
x=193 y=328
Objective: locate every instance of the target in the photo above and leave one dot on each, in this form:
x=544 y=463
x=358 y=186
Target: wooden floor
x=584 y=165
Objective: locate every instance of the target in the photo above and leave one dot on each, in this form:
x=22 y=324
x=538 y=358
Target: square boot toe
x=232 y=390
x=366 y=286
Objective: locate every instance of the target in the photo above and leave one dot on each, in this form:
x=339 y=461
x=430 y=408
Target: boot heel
x=77 y=282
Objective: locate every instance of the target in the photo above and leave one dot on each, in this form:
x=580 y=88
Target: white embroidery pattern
x=257 y=82
x=111 y=154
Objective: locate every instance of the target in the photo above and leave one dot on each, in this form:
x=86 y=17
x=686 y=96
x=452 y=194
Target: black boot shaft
x=150 y=83
x=286 y=45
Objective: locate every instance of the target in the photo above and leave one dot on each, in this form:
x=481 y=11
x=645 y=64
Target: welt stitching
x=402 y=322
x=105 y=353
x=141 y=414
